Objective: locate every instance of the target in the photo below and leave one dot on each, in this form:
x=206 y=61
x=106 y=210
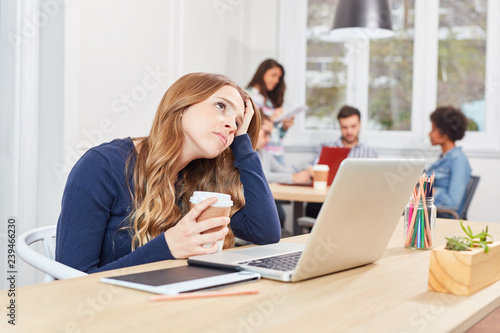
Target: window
x=461 y=58
x=391 y=69
x=443 y=52
x=390 y=76
x=326 y=72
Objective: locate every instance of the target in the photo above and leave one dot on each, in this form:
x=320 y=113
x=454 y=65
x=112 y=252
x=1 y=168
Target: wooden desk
x=298 y=195
x=387 y=296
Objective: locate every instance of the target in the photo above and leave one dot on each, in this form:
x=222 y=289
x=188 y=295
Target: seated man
x=274 y=171
x=350 y=124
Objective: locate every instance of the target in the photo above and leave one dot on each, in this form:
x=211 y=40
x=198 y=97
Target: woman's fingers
x=196 y=211
x=209 y=238
x=215 y=223
x=247 y=117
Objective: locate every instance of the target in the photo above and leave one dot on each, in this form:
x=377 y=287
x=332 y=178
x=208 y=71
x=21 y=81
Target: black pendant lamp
x=370 y=19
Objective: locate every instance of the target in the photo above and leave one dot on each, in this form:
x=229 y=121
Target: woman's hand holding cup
x=188 y=236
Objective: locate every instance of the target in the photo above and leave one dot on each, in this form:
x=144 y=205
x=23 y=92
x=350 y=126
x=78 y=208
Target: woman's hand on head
x=185 y=239
x=247 y=118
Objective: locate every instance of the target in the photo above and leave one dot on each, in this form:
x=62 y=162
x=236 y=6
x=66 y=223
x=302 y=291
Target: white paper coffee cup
x=221 y=208
x=320 y=176
x=223 y=200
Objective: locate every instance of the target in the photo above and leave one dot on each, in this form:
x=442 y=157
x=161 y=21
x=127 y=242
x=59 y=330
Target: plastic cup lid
x=223 y=200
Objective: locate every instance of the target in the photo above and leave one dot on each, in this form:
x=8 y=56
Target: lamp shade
x=369 y=19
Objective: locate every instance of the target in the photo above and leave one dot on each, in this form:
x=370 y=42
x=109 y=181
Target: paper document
x=292 y=113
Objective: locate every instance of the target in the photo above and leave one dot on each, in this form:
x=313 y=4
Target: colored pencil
x=418 y=220
x=202 y=294
x=413 y=217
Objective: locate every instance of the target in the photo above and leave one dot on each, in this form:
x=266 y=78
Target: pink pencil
x=202 y=294
x=413 y=217
x=410 y=213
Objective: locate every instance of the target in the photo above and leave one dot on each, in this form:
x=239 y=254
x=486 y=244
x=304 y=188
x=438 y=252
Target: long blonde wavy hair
x=158 y=202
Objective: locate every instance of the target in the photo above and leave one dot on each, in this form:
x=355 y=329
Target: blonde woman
x=126 y=202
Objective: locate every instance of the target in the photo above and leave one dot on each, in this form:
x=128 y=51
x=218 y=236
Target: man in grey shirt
x=274 y=171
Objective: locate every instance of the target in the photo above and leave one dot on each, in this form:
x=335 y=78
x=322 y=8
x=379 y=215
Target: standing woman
x=452 y=169
x=126 y=202
x=267 y=89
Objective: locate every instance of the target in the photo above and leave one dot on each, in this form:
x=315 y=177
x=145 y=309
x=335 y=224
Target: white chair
x=47 y=264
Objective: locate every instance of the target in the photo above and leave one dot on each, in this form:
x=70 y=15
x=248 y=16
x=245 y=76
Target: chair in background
x=306 y=222
x=462 y=213
x=47 y=264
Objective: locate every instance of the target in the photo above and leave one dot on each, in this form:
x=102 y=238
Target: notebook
x=175 y=280
x=332 y=156
x=354 y=226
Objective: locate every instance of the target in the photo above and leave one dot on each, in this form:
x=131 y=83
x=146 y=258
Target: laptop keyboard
x=283 y=262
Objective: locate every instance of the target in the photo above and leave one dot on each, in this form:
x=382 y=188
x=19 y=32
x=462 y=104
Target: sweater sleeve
x=459 y=178
x=274 y=171
x=257 y=221
x=88 y=205
x=154 y=250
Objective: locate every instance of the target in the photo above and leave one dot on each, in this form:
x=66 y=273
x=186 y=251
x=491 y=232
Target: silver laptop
x=353 y=228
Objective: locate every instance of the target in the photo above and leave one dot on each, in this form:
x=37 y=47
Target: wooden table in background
x=298 y=195
x=387 y=296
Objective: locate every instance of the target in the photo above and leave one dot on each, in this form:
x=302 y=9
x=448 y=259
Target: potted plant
x=466 y=264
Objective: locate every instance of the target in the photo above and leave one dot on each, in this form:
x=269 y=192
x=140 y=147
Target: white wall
x=124 y=68
x=122 y=71
x=228 y=37
x=50 y=118
x=486 y=198
x=19 y=59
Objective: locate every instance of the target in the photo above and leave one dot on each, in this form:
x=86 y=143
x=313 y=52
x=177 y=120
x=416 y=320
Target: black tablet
x=175 y=280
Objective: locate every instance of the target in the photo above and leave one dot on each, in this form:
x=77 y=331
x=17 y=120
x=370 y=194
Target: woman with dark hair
x=452 y=169
x=267 y=89
x=126 y=202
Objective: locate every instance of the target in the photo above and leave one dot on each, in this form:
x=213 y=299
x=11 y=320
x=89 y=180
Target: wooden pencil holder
x=463 y=272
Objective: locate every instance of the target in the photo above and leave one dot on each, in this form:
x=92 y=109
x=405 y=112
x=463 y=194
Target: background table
x=298 y=195
x=387 y=296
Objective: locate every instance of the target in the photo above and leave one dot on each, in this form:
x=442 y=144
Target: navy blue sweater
x=96 y=202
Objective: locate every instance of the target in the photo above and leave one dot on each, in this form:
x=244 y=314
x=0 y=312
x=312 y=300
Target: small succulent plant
x=461 y=243
x=457 y=243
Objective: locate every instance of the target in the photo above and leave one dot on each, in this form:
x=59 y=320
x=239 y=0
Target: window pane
x=462 y=56
x=326 y=69
x=391 y=69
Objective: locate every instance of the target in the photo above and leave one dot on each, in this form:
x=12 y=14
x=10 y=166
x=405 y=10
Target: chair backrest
x=47 y=263
x=469 y=193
